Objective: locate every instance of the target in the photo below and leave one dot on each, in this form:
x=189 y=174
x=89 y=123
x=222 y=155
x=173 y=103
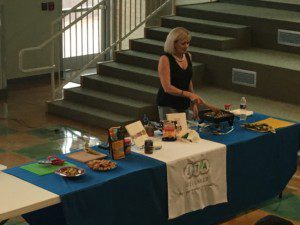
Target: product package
x=116 y=142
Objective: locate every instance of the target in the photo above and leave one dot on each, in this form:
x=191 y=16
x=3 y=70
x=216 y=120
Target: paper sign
x=137 y=132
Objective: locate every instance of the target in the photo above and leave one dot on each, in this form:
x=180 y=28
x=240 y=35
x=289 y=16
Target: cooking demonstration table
x=259 y=165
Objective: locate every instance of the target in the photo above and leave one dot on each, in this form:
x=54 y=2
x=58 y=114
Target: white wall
x=26 y=25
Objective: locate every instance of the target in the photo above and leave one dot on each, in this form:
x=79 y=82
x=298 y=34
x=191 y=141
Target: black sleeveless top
x=179 y=78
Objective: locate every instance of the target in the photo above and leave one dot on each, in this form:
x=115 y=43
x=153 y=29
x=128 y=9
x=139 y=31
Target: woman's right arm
x=165 y=80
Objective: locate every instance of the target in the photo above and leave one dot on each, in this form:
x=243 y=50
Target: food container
x=169 y=131
x=148 y=147
x=217 y=117
x=127 y=145
x=70 y=171
x=55 y=160
x=150 y=130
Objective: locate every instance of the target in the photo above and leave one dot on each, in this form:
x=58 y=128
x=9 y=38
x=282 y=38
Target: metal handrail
x=110 y=47
x=54 y=37
x=73 y=9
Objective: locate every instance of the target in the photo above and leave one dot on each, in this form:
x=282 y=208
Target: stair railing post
x=53 y=65
x=112 y=26
x=105 y=26
x=173 y=7
x=120 y=17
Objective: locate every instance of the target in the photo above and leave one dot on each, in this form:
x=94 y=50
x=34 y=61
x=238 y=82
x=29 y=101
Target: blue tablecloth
x=136 y=190
x=259 y=165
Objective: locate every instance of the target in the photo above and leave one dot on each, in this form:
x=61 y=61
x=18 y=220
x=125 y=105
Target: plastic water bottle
x=243 y=107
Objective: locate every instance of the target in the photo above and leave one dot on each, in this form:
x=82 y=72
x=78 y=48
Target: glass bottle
x=243 y=107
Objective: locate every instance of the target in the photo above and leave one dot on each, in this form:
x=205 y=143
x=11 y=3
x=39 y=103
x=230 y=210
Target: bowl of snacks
x=102 y=165
x=70 y=171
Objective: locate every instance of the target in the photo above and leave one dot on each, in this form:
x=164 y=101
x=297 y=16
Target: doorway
x=85 y=39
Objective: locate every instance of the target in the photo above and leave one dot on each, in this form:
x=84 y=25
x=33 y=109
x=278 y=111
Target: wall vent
x=288 y=37
x=244 y=77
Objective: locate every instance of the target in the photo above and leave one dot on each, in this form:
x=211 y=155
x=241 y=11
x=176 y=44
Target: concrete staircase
x=225 y=35
x=277 y=66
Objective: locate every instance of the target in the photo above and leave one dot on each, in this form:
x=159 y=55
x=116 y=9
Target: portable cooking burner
x=219 y=123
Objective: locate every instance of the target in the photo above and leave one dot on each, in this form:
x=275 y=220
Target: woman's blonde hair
x=176 y=34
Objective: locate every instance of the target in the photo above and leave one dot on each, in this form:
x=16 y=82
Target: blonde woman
x=175 y=73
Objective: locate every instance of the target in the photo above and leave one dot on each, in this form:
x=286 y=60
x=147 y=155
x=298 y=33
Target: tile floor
x=27 y=132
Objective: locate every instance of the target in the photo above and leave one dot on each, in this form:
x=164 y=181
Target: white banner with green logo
x=196 y=175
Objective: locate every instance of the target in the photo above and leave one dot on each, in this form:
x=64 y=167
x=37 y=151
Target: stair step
x=120 y=87
x=292 y=5
x=260 y=56
x=233 y=13
x=87 y=114
x=264 y=22
x=145 y=59
x=130 y=73
x=140 y=59
x=204 y=40
x=107 y=101
x=142 y=45
x=253 y=55
x=207 y=26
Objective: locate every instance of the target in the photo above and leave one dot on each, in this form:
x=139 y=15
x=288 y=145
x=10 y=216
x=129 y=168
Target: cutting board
x=84 y=157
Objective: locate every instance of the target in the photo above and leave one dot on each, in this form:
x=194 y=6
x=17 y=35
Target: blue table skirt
x=136 y=187
x=259 y=165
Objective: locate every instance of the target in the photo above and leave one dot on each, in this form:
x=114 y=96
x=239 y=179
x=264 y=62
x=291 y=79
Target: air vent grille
x=289 y=37
x=244 y=77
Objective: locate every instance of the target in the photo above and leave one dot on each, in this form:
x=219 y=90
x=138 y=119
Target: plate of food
x=102 y=165
x=70 y=171
x=259 y=127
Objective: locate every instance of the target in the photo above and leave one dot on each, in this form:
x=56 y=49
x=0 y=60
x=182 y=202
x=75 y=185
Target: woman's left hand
x=195 y=111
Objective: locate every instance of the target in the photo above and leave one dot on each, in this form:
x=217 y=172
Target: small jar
x=149 y=130
x=148 y=147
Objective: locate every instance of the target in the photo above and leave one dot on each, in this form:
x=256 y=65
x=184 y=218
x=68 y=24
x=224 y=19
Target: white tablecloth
x=196 y=175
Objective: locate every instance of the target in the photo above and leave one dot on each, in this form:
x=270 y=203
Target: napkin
x=275 y=123
x=237 y=112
